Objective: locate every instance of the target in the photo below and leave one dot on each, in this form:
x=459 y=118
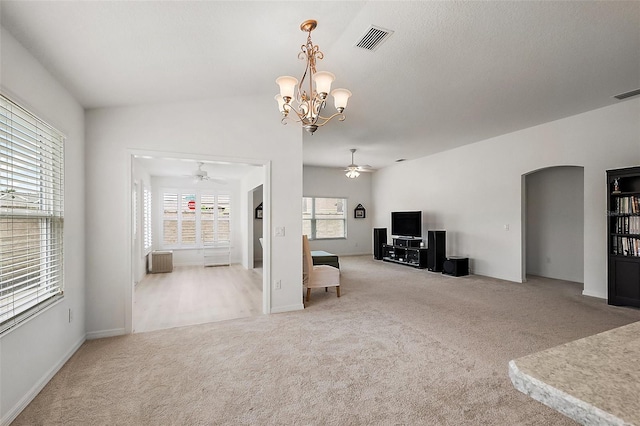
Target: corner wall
x=31 y=353
x=475 y=190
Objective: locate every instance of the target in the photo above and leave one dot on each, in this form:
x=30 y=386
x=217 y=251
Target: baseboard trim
x=594 y=294
x=288 y=308
x=35 y=390
x=105 y=333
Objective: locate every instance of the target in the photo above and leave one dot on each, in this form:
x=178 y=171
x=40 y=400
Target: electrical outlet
x=278 y=285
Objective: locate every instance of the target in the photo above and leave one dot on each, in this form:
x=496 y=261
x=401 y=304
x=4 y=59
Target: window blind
x=223 y=220
x=188 y=220
x=148 y=241
x=207 y=218
x=194 y=219
x=170 y=219
x=31 y=214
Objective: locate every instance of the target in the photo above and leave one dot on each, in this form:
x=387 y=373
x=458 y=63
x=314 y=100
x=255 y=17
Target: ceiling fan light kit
x=353 y=170
x=307 y=105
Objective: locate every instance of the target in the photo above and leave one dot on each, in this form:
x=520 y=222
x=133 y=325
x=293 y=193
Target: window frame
x=313 y=219
x=32 y=175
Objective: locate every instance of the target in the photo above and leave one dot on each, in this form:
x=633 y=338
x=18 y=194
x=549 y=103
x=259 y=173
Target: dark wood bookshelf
x=623 y=237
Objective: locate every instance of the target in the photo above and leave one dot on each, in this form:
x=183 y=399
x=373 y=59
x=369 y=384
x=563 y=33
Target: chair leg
x=308 y=294
x=338 y=290
x=326 y=289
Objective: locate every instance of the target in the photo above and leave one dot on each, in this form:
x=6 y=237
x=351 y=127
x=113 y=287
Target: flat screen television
x=406 y=224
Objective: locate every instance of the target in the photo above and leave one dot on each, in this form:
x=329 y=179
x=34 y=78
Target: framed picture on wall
x=359 y=212
x=259 y=211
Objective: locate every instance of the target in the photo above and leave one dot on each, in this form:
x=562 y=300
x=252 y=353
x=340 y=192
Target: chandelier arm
x=300 y=117
x=340 y=115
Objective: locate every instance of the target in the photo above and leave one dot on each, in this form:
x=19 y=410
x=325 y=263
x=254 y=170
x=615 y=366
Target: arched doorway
x=553 y=244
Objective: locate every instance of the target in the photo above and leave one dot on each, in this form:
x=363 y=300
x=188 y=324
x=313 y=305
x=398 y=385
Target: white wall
x=554 y=223
x=331 y=182
x=475 y=190
x=208 y=128
x=31 y=353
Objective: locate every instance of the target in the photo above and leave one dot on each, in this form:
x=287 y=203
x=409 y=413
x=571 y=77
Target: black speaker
x=437 y=248
x=379 y=238
x=456 y=266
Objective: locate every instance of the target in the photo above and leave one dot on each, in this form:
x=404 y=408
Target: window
x=31 y=214
x=146 y=221
x=215 y=214
x=193 y=219
x=324 y=217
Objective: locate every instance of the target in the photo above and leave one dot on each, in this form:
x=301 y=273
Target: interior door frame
x=266 y=265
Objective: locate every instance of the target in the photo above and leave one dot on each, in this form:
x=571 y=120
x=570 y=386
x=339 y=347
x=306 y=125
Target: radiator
x=215 y=255
x=161 y=261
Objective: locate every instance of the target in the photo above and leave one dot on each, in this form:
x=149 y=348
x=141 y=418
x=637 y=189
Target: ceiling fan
x=202 y=175
x=353 y=170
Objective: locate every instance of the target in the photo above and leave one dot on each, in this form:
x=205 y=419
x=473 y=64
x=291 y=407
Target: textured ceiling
x=452 y=73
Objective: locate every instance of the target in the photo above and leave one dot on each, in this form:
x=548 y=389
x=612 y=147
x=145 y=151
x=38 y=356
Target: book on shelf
x=628 y=205
x=625 y=246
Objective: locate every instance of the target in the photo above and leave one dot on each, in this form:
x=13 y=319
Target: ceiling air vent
x=626 y=95
x=373 y=38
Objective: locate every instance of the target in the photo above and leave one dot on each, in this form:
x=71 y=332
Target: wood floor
x=196 y=295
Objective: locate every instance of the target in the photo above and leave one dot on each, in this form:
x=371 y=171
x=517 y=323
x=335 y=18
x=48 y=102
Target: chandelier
x=308 y=102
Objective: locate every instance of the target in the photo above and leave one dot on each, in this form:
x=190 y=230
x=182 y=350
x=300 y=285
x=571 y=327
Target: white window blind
x=207 y=218
x=170 y=219
x=223 y=219
x=188 y=220
x=148 y=241
x=193 y=219
x=31 y=214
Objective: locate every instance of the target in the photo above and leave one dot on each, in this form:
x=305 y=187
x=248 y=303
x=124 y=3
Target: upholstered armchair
x=317 y=276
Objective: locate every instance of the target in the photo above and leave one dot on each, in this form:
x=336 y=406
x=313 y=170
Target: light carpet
x=400 y=347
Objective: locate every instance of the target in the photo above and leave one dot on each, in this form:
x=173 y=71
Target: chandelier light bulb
x=340 y=98
x=280 y=101
x=323 y=80
x=287 y=86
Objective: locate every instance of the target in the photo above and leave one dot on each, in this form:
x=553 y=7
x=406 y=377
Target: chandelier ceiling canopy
x=307 y=101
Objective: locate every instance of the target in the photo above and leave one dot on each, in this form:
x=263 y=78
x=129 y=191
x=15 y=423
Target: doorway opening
x=188 y=207
x=553 y=223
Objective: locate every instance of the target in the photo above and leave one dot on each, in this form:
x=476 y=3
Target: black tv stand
x=407 y=242
x=406 y=251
